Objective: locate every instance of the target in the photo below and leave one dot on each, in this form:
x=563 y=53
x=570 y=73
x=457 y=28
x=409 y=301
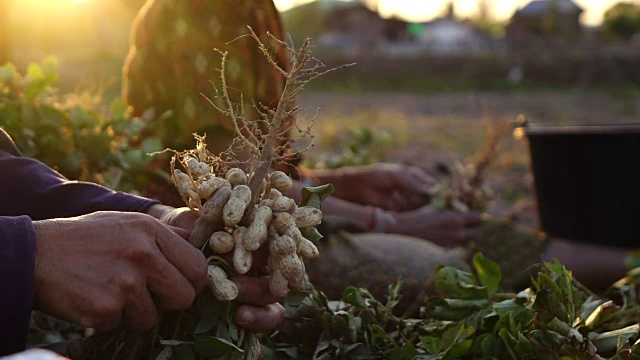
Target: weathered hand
x=181 y=217
x=389 y=186
x=100 y=269
x=261 y=310
x=446 y=228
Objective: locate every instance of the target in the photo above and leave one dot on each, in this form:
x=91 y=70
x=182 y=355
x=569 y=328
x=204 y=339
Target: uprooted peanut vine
x=232 y=225
x=242 y=208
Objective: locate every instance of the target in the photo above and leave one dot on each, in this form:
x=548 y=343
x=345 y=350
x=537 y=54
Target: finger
x=414 y=200
x=104 y=324
x=187 y=259
x=254 y=291
x=105 y=313
x=173 y=289
x=472 y=235
x=415 y=180
x=184 y=218
x=472 y=220
x=260 y=318
x=140 y=311
x=179 y=231
x=260 y=257
x=397 y=202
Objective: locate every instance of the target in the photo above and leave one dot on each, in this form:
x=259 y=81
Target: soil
x=454 y=118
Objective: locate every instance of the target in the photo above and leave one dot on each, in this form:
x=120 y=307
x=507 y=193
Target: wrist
x=159 y=211
x=381 y=220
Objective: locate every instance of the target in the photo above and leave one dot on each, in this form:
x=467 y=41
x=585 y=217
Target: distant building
x=448 y=36
x=559 y=19
x=355 y=27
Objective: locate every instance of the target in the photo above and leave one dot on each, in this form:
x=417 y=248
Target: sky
x=423 y=10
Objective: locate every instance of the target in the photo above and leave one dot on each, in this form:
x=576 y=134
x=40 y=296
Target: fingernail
x=245 y=317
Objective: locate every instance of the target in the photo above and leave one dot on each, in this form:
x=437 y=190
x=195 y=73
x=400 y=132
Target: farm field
x=429 y=130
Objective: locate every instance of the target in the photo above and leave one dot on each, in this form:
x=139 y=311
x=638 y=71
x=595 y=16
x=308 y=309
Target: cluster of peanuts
x=275 y=219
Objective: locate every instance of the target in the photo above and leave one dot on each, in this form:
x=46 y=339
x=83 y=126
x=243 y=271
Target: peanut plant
x=241 y=207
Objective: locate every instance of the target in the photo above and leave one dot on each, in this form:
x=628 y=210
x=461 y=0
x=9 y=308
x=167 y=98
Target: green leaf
x=208 y=320
x=459 y=284
x=311 y=233
x=607 y=342
x=6 y=74
x=165 y=354
x=213 y=347
x=151 y=145
x=353 y=296
x=509 y=343
x=313 y=196
x=488 y=272
x=290 y=351
x=184 y=352
x=175 y=342
x=431 y=344
x=119 y=109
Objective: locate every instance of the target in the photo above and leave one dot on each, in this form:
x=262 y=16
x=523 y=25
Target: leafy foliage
x=362 y=146
x=74 y=133
x=556 y=318
x=622 y=20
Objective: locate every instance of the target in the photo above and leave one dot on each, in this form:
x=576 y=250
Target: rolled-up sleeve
x=29 y=187
x=17 y=262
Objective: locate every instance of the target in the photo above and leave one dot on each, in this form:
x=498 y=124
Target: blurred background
x=431 y=81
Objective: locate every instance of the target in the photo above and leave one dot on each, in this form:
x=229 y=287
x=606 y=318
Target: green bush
x=76 y=134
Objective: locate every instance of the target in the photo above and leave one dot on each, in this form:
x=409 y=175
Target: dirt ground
x=432 y=130
x=546 y=107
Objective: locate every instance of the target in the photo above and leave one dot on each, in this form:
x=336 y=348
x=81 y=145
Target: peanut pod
x=257 y=232
x=283 y=204
x=182 y=182
x=274 y=194
x=280 y=181
x=234 y=208
x=198 y=169
x=221 y=242
x=278 y=285
x=242 y=258
x=209 y=186
x=305 y=247
x=223 y=288
x=306 y=216
x=213 y=209
x=291 y=268
x=236 y=176
x=201 y=232
x=282 y=246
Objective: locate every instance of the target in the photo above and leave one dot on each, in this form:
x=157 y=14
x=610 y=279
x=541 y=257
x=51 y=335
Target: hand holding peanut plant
x=255 y=238
x=229 y=223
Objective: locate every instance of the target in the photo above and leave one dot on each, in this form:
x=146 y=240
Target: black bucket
x=587 y=182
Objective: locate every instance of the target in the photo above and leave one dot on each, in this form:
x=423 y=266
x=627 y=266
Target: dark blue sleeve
x=29 y=187
x=17 y=257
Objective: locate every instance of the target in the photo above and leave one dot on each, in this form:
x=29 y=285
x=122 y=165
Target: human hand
x=104 y=268
x=446 y=228
x=181 y=217
x=393 y=187
x=260 y=310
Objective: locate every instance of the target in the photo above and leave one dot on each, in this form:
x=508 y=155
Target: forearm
x=345 y=181
x=596 y=266
x=373 y=218
x=335 y=206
